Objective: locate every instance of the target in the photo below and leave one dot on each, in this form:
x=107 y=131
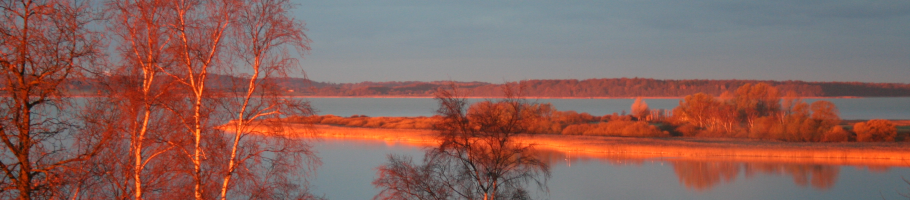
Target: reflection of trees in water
x=478 y=157
x=555 y=157
x=817 y=176
x=880 y=169
x=704 y=175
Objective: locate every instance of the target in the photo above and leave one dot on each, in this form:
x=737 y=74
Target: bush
x=876 y=130
x=576 y=129
x=616 y=128
x=375 y=122
x=836 y=134
x=356 y=122
x=643 y=129
x=687 y=130
x=372 y=122
x=331 y=119
x=426 y=122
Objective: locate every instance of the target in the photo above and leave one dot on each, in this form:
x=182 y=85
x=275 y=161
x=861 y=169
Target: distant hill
x=563 y=88
x=589 y=88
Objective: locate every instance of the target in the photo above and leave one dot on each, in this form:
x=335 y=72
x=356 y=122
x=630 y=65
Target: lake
x=349 y=165
x=853 y=108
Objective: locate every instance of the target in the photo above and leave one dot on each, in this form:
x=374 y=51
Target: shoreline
x=469 y=97
x=895 y=154
x=526 y=97
x=539 y=97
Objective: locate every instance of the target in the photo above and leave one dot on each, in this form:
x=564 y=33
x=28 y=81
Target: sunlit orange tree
x=875 y=130
x=755 y=111
x=195 y=99
x=260 y=147
x=136 y=92
x=43 y=44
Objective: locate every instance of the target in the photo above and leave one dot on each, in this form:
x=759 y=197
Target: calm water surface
x=349 y=165
x=349 y=168
x=858 y=108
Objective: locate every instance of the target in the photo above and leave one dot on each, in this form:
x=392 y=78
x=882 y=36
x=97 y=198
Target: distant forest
x=572 y=88
x=613 y=87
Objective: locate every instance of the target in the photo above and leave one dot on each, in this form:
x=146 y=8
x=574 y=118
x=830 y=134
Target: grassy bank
x=860 y=154
x=565 y=123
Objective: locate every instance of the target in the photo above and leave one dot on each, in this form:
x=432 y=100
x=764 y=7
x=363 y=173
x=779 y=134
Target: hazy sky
x=493 y=41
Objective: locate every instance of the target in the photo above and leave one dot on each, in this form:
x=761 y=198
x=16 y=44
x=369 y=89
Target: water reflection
x=349 y=167
x=478 y=155
x=701 y=175
x=705 y=174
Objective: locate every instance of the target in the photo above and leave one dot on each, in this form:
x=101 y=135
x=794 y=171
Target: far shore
x=708 y=149
x=489 y=97
x=537 y=97
x=480 y=97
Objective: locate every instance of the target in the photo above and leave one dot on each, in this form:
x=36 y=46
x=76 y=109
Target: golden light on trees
x=185 y=68
x=43 y=44
x=875 y=130
x=755 y=111
x=754 y=101
x=640 y=109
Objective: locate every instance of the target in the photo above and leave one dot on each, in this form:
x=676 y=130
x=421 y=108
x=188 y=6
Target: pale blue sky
x=493 y=41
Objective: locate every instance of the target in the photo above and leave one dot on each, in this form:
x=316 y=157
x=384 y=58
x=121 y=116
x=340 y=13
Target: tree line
x=589 y=88
x=756 y=111
x=163 y=123
x=478 y=156
x=614 y=87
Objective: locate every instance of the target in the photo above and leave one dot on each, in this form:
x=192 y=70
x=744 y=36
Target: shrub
x=331 y=119
x=687 y=130
x=643 y=129
x=876 y=130
x=576 y=129
x=426 y=122
x=836 y=134
x=616 y=128
x=356 y=122
x=766 y=128
x=375 y=122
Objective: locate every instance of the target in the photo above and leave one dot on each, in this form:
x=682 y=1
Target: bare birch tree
x=199 y=28
x=43 y=43
x=261 y=38
x=478 y=157
x=137 y=86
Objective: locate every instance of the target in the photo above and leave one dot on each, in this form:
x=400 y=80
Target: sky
x=497 y=41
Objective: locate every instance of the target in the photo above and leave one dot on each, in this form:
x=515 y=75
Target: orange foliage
x=616 y=128
x=537 y=118
x=755 y=111
x=640 y=109
x=875 y=130
x=836 y=134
